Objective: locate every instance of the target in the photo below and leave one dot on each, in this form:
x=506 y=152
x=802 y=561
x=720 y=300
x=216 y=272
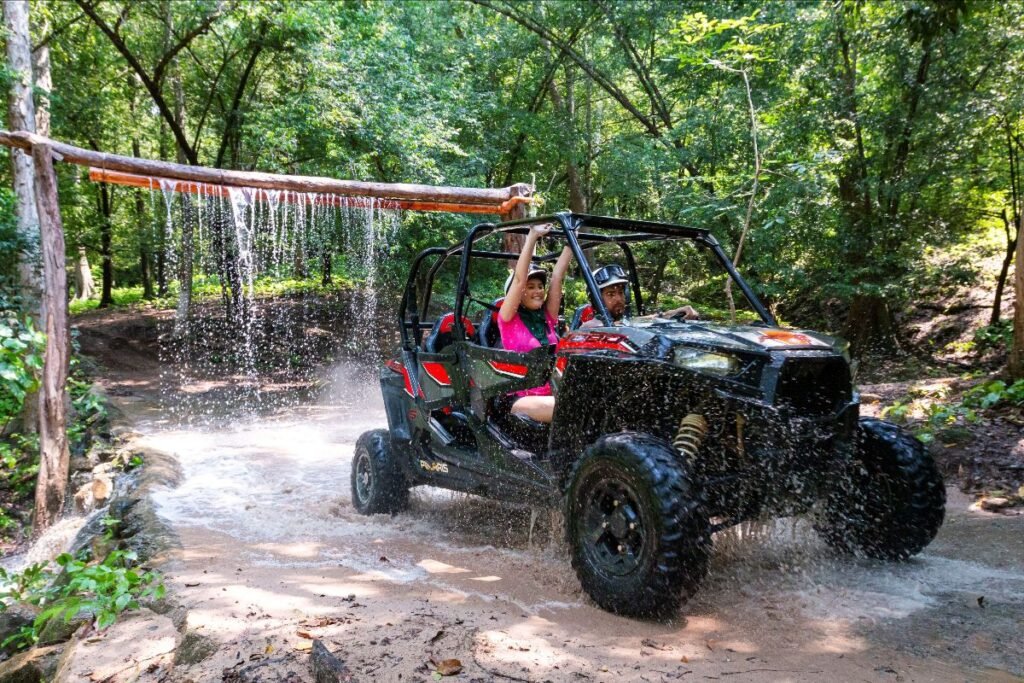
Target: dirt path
x=273 y=552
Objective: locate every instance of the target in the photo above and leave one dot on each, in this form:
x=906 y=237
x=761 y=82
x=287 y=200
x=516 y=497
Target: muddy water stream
x=272 y=552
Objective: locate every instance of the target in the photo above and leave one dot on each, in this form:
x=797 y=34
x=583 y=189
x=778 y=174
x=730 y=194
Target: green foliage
x=21 y=360
x=89 y=411
x=995 y=336
x=930 y=415
x=102 y=590
x=11 y=247
x=995 y=393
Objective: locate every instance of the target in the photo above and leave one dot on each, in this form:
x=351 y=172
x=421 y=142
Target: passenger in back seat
x=528 y=317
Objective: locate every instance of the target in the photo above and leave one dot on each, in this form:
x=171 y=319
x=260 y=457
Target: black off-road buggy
x=664 y=431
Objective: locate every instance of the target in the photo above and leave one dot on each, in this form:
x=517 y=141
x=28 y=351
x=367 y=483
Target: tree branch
x=637 y=66
x=232 y=122
x=588 y=68
x=183 y=42
x=151 y=86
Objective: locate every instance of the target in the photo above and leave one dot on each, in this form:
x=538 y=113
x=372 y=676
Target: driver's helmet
x=612 y=274
x=535 y=271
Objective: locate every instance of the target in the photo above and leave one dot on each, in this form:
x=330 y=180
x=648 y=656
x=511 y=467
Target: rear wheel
x=891 y=501
x=639 y=537
x=378 y=484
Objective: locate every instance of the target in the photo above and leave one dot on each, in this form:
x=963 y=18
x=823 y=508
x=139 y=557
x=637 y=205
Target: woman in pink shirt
x=528 y=316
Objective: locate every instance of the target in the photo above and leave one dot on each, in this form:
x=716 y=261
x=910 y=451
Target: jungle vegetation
x=839 y=147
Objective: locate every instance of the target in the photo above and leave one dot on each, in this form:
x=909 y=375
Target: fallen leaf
x=304 y=645
x=981 y=601
x=449 y=667
x=437 y=636
x=269 y=649
x=684 y=659
x=384 y=559
x=303 y=634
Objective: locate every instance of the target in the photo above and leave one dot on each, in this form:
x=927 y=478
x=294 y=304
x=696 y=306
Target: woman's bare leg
x=540 y=408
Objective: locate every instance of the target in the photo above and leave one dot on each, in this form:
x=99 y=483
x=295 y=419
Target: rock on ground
x=34 y=666
x=139 y=648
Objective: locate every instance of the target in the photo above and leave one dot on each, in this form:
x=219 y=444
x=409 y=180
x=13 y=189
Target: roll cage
x=582 y=232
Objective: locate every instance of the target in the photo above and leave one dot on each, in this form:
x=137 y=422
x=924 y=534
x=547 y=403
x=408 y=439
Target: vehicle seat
x=489 y=334
x=524 y=431
x=583 y=314
x=441 y=334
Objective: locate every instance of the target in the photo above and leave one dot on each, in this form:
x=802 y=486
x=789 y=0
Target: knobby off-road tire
x=890 y=502
x=378 y=485
x=650 y=568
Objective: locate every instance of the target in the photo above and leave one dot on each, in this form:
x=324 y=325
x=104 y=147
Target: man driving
x=612 y=281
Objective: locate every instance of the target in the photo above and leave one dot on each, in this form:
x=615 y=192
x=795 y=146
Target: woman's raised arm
x=557 y=277
x=514 y=295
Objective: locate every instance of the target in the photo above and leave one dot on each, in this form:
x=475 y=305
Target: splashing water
x=244 y=243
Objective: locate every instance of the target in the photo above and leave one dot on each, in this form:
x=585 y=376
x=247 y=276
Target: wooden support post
x=54 y=457
x=514 y=210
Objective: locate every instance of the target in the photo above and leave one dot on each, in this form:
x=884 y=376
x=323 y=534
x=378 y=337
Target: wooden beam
x=100 y=175
x=269 y=181
x=54 y=457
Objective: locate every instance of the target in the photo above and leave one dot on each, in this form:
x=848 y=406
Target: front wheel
x=891 y=501
x=639 y=537
x=378 y=484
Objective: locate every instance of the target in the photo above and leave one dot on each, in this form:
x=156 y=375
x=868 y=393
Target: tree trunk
x=143 y=226
x=325 y=261
x=1016 y=365
x=145 y=258
x=107 y=262
x=185 y=268
x=869 y=326
x=1011 y=246
x=21 y=114
x=85 y=287
x=43 y=75
x=54 y=457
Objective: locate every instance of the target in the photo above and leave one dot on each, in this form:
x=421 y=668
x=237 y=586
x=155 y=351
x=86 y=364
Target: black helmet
x=609 y=275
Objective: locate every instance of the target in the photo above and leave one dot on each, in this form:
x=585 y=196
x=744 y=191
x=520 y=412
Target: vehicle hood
x=753 y=338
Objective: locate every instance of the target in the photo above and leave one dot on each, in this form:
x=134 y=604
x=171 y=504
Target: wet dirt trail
x=273 y=554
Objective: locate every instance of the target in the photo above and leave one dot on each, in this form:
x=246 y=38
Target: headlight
x=705 y=361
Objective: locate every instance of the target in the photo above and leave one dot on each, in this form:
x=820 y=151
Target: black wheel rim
x=364 y=479
x=614 y=534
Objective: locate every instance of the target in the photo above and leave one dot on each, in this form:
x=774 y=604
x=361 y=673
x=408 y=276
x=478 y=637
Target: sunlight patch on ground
x=436 y=567
x=300 y=550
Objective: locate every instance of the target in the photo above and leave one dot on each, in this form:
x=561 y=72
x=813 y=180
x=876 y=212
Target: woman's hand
x=538 y=231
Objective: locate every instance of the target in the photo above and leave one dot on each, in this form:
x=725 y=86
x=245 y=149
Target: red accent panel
x=396 y=366
x=437 y=372
x=560 y=364
x=509 y=369
x=596 y=341
x=588 y=313
x=497 y=303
